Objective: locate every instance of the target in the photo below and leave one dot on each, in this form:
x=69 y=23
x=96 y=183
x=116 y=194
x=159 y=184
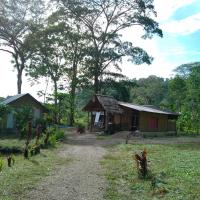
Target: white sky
x=161 y=66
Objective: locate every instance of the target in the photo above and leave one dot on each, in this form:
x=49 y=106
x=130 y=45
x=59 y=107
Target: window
x=153 y=123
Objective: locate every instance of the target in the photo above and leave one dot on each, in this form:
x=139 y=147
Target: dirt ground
x=82 y=178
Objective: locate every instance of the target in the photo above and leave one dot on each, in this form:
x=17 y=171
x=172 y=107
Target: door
x=135 y=121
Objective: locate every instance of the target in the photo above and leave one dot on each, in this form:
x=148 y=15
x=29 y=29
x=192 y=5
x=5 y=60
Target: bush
x=1 y=164
x=52 y=135
x=59 y=134
x=80 y=127
x=52 y=140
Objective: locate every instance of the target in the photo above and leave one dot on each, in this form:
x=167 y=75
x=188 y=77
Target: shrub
x=11 y=161
x=53 y=134
x=80 y=127
x=59 y=134
x=23 y=116
x=141 y=163
x=52 y=140
x=1 y=164
x=34 y=150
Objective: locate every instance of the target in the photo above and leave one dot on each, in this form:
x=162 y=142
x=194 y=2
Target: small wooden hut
x=105 y=111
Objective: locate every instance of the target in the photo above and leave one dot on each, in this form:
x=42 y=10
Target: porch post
x=106 y=120
x=90 y=121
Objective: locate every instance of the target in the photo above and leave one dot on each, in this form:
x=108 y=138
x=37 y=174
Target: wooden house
x=18 y=101
x=105 y=111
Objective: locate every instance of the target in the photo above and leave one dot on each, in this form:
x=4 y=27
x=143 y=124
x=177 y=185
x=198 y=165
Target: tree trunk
x=19 y=81
x=96 y=84
x=72 y=95
x=55 y=102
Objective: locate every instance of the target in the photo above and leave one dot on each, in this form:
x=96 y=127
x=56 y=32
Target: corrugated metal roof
x=12 y=98
x=146 y=109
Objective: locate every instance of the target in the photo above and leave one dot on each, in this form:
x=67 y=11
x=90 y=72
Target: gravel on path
x=81 y=179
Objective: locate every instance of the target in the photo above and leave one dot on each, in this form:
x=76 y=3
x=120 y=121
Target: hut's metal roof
x=12 y=98
x=110 y=104
x=150 y=109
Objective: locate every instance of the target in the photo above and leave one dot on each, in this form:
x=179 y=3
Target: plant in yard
x=22 y=116
x=80 y=128
x=1 y=164
x=158 y=184
x=38 y=133
x=59 y=134
x=141 y=163
x=11 y=161
x=28 y=139
x=48 y=133
x=52 y=135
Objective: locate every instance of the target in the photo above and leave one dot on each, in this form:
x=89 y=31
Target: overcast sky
x=180 y=22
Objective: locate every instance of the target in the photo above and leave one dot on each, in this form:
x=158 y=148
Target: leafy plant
x=59 y=134
x=4 y=109
x=53 y=134
x=1 y=164
x=80 y=127
x=11 y=160
x=141 y=163
x=22 y=116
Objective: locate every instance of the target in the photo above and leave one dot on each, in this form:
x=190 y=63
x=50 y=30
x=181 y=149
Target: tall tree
x=58 y=52
x=177 y=93
x=47 y=57
x=190 y=117
x=104 y=20
x=17 y=19
x=149 y=90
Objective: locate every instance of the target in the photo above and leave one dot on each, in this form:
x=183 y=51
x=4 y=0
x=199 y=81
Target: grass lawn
x=176 y=168
x=14 y=181
x=11 y=140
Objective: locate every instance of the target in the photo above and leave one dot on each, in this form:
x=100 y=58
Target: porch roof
x=107 y=103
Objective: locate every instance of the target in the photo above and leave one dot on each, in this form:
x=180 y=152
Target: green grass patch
x=103 y=136
x=176 y=165
x=26 y=173
x=14 y=181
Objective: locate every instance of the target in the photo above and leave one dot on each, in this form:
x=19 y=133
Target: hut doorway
x=135 y=121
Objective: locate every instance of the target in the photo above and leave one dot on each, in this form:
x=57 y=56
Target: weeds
x=11 y=160
x=1 y=164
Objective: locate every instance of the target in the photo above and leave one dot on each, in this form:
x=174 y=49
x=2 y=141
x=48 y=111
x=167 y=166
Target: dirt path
x=81 y=179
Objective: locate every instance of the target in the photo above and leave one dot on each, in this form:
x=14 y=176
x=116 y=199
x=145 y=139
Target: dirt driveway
x=82 y=178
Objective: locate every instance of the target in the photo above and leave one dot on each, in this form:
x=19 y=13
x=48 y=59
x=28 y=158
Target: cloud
x=165 y=9
x=185 y=26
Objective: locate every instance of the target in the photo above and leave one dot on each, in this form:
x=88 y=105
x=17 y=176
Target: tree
x=120 y=90
x=47 y=57
x=17 y=19
x=177 y=92
x=189 y=96
x=105 y=20
x=149 y=91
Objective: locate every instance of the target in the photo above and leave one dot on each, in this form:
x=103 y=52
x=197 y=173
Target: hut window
x=153 y=123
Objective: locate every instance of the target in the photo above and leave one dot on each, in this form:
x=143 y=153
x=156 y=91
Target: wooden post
x=90 y=121
x=120 y=122
x=106 y=120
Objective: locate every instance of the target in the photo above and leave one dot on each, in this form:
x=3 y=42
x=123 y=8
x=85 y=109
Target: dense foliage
x=79 y=47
